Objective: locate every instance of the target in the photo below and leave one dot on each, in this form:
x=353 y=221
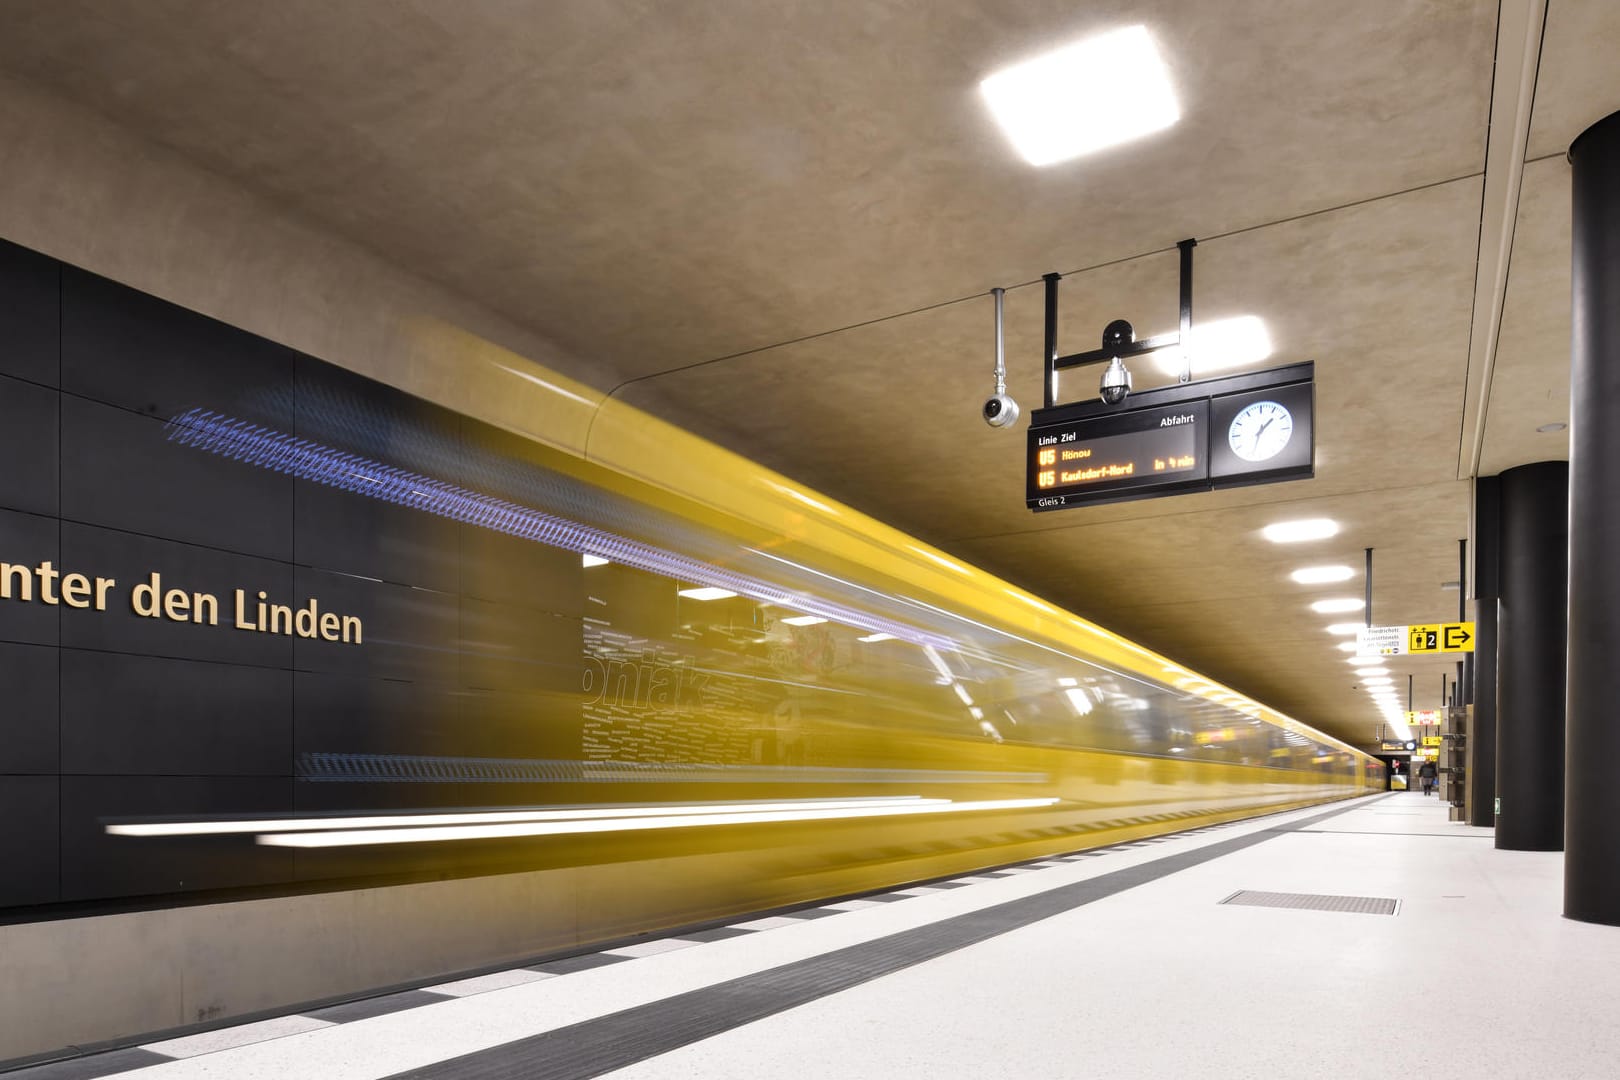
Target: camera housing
x=1116 y=382
x=1000 y=411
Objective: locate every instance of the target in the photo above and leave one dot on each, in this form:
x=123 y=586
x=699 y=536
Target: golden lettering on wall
x=149 y=599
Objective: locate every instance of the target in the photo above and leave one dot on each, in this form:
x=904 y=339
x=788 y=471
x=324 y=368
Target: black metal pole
x=1530 y=658
x=1592 y=809
x=1367 y=607
x=1410 y=680
x=1185 y=247
x=1051 y=345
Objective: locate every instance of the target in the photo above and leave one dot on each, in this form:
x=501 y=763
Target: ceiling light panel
x=1085 y=97
x=1338 y=604
x=1322 y=575
x=1219 y=345
x=1294 y=532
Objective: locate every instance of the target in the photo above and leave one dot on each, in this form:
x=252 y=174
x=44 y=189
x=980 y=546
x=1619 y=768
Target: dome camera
x=1000 y=411
x=1116 y=382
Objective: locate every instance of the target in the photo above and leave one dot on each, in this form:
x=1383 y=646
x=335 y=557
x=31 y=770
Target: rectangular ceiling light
x=876 y=637
x=1321 y=575
x=1292 y=532
x=1219 y=346
x=592 y=560
x=1084 y=97
x=804 y=620
x=707 y=593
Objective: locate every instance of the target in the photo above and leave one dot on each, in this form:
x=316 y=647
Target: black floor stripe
x=366 y=1008
x=89 y=1068
x=812 y=913
x=570 y=964
x=718 y=933
x=618 y=1040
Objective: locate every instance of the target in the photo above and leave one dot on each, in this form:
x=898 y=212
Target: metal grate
x=1361 y=905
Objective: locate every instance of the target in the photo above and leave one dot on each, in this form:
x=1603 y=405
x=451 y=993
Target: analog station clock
x=1260 y=431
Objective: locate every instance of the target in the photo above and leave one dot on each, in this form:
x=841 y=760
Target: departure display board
x=1158 y=448
x=1253 y=428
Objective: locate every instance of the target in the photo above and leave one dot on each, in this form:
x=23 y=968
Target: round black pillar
x=1592 y=812
x=1531 y=627
x=1481 y=775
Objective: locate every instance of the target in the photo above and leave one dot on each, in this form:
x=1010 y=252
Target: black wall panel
x=517 y=647
x=30 y=315
x=97 y=866
x=406 y=632
x=121 y=470
x=28 y=541
x=338 y=531
x=513 y=570
x=344 y=714
x=147 y=715
x=28 y=446
x=28 y=840
x=29 y=728
x=126 y=348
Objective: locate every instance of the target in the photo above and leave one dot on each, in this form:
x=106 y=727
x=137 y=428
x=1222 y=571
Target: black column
x=1482 y=730
x=1592 y=813
x=1530 y=658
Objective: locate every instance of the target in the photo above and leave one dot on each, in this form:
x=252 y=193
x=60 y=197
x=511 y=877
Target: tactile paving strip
x=594 y=1047
x=1360 y=905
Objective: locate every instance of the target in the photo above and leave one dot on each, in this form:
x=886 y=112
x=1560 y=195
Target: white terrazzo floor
x=1476 y=975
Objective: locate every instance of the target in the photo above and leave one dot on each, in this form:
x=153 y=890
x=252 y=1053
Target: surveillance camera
x=1116 y=382
x=1000 y=411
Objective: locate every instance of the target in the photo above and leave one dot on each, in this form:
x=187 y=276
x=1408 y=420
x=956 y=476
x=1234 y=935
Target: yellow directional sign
x=1440 y=637
x=1431 y=740
x=1425 y=716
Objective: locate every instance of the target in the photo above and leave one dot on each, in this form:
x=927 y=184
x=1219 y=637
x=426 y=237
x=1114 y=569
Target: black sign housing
x=1253 y=428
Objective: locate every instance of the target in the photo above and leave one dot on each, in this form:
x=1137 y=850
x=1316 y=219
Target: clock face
x=1260 y=431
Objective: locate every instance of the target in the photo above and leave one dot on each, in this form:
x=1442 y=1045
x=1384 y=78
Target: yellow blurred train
x=779 y=698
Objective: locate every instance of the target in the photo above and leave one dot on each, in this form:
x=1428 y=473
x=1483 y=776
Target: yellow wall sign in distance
x=1440 y=638
x=1431 y=740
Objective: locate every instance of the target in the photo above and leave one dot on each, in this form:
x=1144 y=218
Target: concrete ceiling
x=775 y=222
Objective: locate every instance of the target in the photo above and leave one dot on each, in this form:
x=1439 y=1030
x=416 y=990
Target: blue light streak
x=241 y=440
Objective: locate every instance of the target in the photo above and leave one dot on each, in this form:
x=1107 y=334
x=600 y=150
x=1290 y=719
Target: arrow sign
x=1440 y=637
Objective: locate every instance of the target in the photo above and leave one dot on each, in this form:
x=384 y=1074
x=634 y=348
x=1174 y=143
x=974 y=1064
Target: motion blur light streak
x=681 y=821
x=942 y=560
x=488 y=817
x=240 y=440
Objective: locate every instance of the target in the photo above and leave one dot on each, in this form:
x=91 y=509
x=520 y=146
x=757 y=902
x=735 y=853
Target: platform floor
x=1120 y=962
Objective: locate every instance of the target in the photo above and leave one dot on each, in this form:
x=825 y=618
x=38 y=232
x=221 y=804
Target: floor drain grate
x=1362 y=905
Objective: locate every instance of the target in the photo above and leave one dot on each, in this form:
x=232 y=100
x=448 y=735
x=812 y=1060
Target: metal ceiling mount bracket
x=1119 y=341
